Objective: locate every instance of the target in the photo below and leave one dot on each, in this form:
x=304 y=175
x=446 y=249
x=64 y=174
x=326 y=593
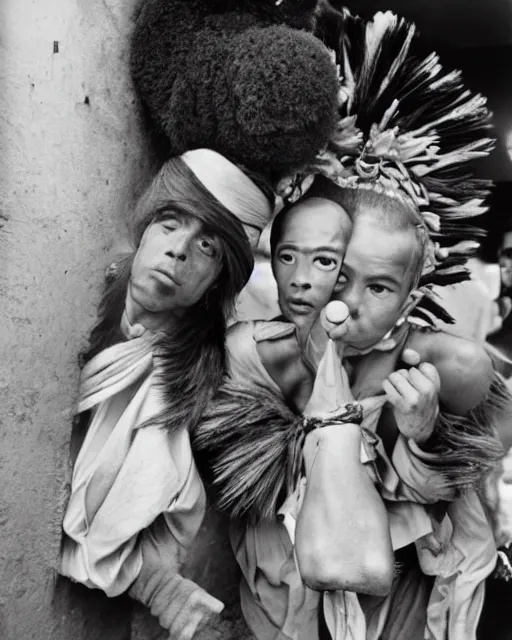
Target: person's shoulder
x=240 y=347
x=435 y=345
x=464 y=367
x=240 y=329
x=277 y=342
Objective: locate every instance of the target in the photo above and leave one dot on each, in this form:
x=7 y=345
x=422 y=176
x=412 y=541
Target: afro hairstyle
x=243 y=77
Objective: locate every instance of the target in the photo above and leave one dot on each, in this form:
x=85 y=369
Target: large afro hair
x=243 y=77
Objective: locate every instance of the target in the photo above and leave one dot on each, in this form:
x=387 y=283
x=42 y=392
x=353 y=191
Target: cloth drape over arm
x=137 y=500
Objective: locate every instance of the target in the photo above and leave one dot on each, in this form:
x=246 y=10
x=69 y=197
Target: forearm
x=462 y=449
x=181 y=606
x=342 y=535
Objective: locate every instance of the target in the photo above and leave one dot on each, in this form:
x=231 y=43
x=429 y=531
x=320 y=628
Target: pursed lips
x=299 y=304
x=168 y=275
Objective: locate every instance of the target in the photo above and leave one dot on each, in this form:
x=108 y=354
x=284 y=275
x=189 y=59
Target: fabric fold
x=126 y=477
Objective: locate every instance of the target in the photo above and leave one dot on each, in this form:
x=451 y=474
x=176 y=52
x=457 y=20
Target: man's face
x=175 y=264
x=375 y=280
x=308 y=257
x=506 y=261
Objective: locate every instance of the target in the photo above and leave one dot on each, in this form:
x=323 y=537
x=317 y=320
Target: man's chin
x=354 y=347
x=301 y=318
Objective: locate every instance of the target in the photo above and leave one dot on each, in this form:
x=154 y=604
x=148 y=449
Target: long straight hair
x=190 y=361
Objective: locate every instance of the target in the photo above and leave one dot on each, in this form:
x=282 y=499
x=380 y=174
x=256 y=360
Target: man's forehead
x=316 y=225
x=171 y=214
x=309 y=243
x=184 y=218
x=381 y=251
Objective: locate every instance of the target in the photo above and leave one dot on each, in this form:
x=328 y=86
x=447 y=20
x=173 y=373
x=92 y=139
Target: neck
x=153 y=321
x=304 y=330
x=318 y=335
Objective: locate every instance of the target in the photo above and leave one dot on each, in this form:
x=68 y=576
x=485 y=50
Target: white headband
x=232 y=188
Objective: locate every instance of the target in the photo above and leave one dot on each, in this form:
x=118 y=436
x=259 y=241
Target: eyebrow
x=386 y=278
x=375 y=276
x=289 y=245
x=166 y=214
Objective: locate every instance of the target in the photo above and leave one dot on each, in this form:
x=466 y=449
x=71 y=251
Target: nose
x=300 y=280
x=350 y=297
x=179 y=245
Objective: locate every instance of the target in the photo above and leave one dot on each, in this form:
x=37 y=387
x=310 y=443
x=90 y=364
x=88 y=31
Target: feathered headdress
x=408 y=128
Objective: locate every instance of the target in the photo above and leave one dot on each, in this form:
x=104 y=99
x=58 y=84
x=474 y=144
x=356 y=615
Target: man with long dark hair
x=156 y=356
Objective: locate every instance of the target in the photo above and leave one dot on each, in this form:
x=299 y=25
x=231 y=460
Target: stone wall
x=73 y=158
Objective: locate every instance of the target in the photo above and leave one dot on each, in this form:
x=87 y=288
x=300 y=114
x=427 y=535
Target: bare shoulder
x=282 y=358
x=464 y=367
x=279 y=352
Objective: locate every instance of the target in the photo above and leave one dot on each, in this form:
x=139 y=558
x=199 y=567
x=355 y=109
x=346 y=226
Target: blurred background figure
x=505 y=258
x=501 y=337
x=472 y=303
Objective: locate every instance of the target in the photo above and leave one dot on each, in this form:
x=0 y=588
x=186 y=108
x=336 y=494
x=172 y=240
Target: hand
x=413 y=394
x=181 y=606
x=333 y=319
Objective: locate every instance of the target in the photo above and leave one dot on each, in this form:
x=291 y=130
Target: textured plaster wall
x=72 y=157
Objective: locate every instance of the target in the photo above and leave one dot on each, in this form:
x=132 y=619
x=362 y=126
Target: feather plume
x=249 y=447
x=409 y=126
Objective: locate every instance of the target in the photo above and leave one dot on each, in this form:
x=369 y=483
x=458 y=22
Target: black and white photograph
x=256 y=320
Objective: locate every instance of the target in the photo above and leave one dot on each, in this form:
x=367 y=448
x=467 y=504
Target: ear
x=339 y=284
x=337 y=287
x=408 y=305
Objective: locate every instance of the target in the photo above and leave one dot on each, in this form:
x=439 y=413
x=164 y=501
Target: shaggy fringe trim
x=249 y=448
x=469 y=447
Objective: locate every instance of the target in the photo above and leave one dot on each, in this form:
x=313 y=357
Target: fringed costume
x=406 y=129
x=249 y=442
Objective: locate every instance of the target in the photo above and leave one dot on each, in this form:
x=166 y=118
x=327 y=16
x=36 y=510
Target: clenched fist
x=413 y=394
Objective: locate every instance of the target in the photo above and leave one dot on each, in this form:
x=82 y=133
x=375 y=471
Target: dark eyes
x=325 y=263
x=322 y=262
x=379 y=290
x=286 y=258
x=207 y=246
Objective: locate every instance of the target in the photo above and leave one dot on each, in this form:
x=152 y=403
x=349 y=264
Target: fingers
x=394 y=398
x=197 y=612
x=334 y=330
x=411 y=357
x=430 y=372
x=407 y=388
x=401 y=393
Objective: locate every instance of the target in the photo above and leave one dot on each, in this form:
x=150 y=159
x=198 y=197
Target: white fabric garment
x=460 y=551
x=126 y=476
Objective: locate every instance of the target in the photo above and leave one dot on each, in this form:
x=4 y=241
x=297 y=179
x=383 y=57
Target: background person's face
x=375 y=280
x=506 y=261
x=506 y=270
x=308 y=257
x=175 y=264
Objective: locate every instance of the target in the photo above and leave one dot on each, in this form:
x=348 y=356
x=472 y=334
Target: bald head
x=308 y=217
